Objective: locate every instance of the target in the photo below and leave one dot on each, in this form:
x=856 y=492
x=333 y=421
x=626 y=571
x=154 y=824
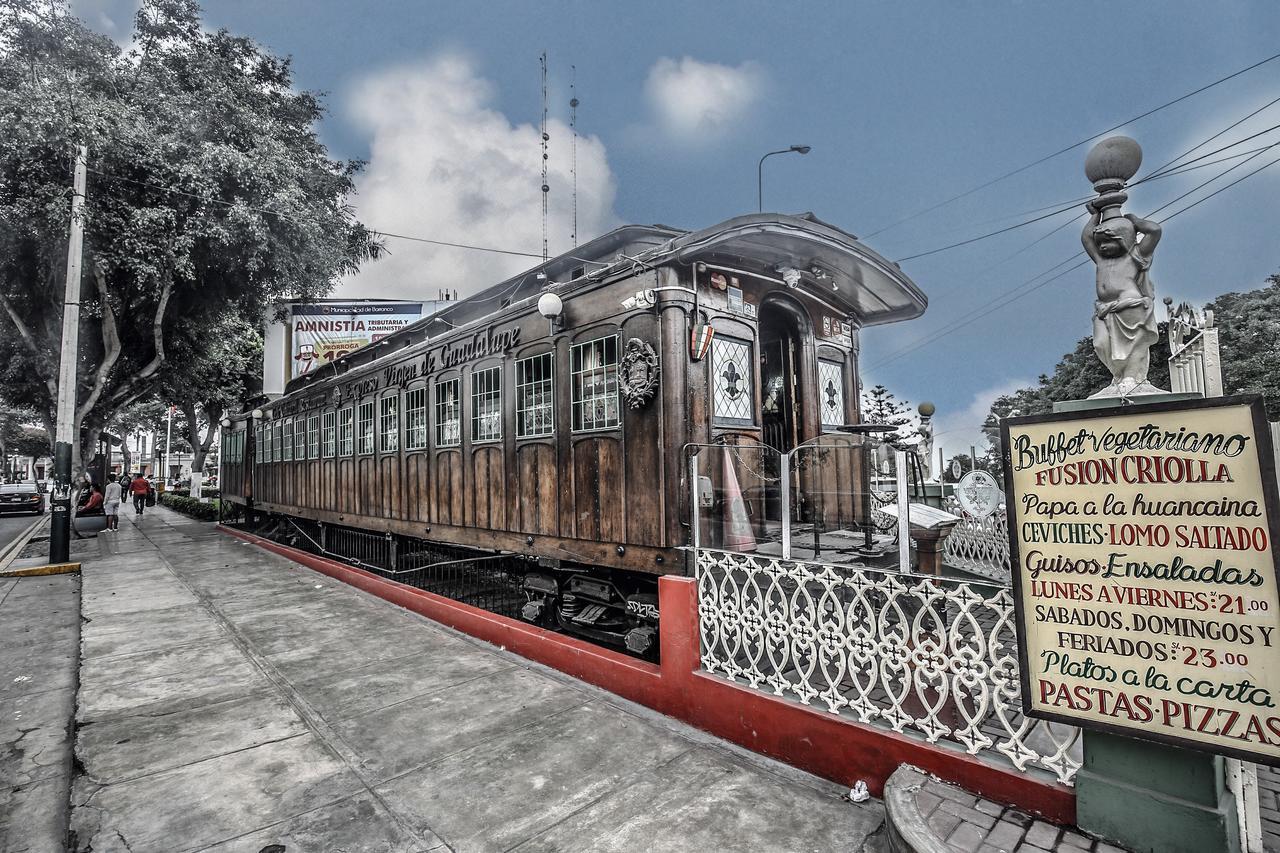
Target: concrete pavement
x=39 y=650
x=231 y=700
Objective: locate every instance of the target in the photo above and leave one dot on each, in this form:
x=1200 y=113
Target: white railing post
x=904 y=523
x=784 y=469
x=695 y=508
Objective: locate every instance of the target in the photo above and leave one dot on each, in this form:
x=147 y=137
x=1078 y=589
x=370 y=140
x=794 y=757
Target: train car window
x=330 y=438
x=364 y=428
x=277 y=442
x=288 y=440
x=732 y=381
x=831 y=392
x=535 y=412
x=448 y=413
x=594 y=367
x=415 y=419
x=389 y=424
x=346 y=431
x=300 y=438
x=486 y=404
x=257 y=444
x=313 y=437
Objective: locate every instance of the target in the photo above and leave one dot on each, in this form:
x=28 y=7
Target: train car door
x=780 y=382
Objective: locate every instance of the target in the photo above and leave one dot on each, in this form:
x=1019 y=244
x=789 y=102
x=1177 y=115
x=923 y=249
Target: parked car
x=21 y=497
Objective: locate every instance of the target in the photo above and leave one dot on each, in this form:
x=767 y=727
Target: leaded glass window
x=486 y=404
x=594 y=368
x=448 y=413
x=346 y=431
x=535 y=409
x=257 y=444
x=277 y=442
x=330 y=437
x=831 y=392
x=364 y=428
x=415 y=419
x=313 y=437
x=389 y=424
x=732 y=381
x=288 y=440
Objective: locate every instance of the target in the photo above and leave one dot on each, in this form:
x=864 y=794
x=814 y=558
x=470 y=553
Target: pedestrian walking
x=139 y=488
x=111 y=505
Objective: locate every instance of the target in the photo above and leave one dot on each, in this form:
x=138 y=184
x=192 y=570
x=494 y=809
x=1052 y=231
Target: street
x=12 y=525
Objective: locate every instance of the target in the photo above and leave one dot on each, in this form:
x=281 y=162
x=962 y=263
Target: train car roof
x=806 y=250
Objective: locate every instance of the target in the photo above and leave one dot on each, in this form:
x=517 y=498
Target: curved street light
x=797 y=149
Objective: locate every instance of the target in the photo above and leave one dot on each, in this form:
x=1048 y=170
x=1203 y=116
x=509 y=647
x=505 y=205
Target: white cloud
x=697 y=101
x=445 y=165
x=957 y=430
x=112 y=18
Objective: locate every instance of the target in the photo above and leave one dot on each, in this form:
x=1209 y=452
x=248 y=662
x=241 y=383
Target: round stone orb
x=1114 y=158
x=926 y=409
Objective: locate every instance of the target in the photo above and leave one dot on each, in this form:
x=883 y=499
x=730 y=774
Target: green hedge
x=186 y=493
x=190 y=506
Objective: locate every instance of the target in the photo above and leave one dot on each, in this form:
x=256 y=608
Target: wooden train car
x=545 y=418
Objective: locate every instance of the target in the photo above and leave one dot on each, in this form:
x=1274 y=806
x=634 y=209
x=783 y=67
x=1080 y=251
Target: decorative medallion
x=638 y=378
x=700 y=341
x=979 y=494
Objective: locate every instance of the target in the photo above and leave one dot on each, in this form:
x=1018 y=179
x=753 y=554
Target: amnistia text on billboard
x=1145 y=574
x=327 y=331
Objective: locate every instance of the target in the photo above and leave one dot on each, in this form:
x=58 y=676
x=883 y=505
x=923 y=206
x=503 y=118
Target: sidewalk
x=39 y=635
x=231 y=700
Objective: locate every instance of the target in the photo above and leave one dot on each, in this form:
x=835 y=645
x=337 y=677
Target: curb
x=39 y=571
x=15 y=547
x=907 y=830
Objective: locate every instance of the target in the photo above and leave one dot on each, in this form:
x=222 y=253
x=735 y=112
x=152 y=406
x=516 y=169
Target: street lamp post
x=798 y=149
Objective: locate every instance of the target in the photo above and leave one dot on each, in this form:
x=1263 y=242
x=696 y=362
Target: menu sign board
x=1145 y=573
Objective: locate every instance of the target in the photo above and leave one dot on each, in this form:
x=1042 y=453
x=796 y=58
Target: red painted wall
x=806 y=737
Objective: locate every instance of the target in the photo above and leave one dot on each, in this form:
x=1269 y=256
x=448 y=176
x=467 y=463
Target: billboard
x=321 y=332
x=1145 y=572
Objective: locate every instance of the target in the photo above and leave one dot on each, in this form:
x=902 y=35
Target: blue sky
x=905 y=104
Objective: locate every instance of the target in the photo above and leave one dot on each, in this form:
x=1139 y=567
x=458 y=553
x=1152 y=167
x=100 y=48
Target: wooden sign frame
x=1267 y=471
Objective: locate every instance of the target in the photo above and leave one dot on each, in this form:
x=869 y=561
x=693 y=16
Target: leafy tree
x=209 y=193
x=1249 y=342
x=967 y=465
x=1078 y=375
x=879 y=406
x=226 y=374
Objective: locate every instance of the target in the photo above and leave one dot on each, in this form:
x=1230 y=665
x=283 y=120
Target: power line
x=1162 y=171
x=1014 y=295
x=1073 y=145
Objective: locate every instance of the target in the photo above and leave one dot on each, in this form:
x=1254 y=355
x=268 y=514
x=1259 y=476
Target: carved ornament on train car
x=638 y=378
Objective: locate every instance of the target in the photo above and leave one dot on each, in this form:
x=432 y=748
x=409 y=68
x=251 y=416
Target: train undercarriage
x=610 y=607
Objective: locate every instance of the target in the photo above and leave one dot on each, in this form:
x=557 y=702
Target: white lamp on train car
x=552 y=307
x=257 y=414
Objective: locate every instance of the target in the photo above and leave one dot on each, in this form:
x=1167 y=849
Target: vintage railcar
x=544 y=418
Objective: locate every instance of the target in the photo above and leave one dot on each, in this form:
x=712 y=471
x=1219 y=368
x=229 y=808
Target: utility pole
x=60 y=525
x=168 y=440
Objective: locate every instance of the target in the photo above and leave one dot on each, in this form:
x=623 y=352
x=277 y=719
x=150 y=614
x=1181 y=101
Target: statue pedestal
x=1148 y=796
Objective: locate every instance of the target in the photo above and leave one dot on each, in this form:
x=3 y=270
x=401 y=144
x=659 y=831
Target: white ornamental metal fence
x=978 y=545
x=912 y=653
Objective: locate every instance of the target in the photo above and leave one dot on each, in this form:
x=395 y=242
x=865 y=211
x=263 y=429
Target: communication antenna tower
x=546 y=188
x=573 y=164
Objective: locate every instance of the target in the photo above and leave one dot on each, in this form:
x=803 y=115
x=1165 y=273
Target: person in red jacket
x=139 y=488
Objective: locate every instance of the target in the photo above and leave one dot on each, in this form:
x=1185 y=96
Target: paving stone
x=1031 y=848
x=1042 y=834
x=1075 y=840
x=966 y=837
x=968 y=814
x=926 y=802
x=953 y=793
x=357 y=825
x=990 y=808
x=1104 y=847
x=1004 y=835
x=942 y=823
